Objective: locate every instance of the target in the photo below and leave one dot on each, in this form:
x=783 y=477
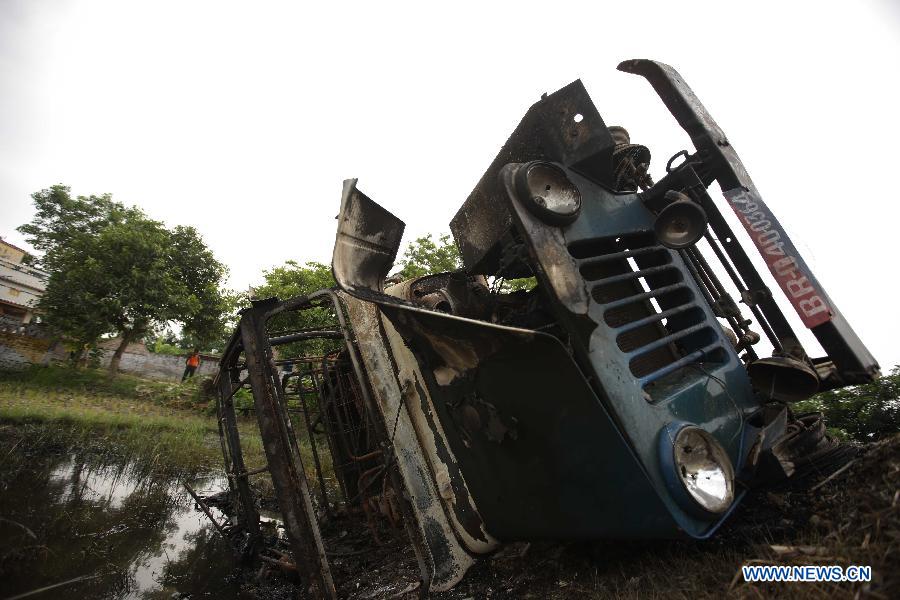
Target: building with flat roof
x=21 y=286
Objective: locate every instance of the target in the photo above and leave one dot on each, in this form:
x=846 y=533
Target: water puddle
x=119 y=530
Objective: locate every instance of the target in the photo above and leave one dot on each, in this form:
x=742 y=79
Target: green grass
x=59 y=379
x=172 y=425
x=166 y=423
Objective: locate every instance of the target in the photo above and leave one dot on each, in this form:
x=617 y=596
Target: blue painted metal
x=703 y=382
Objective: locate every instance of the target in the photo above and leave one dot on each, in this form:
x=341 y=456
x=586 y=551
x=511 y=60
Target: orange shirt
x=193 y=360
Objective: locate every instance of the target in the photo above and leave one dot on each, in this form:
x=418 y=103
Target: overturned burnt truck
x=621 y=396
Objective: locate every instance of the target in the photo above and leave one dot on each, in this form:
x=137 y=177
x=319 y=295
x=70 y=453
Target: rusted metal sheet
x=248 y=517
x=446 y=559
x=547 y=131
x=283 y=456
x=435 y=448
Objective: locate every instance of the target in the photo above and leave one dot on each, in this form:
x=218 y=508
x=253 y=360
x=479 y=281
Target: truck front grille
x=647 y=301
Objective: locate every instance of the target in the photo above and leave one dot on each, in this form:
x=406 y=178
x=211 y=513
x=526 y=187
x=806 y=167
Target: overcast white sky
x=242 y=119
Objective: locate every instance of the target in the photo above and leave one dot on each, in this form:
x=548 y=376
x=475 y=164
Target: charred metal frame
x=250 y=351
x=284 y=463
x=307 y=364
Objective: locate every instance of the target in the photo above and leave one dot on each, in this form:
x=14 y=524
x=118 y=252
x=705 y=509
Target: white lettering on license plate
x=780 y=256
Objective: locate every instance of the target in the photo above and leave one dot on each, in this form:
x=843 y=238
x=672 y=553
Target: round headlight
x=704 y=469
x=548 y=193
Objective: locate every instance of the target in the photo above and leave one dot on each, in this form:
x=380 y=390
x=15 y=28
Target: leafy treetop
x=424 y=256
x=863 y=413
x=115 y=270
x=290 y=280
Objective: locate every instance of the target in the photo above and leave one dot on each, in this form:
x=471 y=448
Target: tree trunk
x=127 y=336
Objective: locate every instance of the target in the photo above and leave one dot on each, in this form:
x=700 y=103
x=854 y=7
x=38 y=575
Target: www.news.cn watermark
x=833 y=573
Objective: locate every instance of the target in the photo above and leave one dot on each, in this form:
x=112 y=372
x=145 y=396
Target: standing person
x=193 y=361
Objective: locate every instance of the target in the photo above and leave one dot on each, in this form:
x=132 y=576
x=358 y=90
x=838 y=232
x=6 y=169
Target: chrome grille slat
x=695 y=356
x=648 y=303
x=594 y=260
x=656 y=317
x=668 y=339
x=633 y=275
x=646 y=295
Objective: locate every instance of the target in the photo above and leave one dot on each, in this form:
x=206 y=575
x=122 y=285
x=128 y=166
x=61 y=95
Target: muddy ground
x=94 y=519
x=851 y=519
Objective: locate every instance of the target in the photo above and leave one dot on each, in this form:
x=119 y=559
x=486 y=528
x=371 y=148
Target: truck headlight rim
x=704 y=469
x=548 y=193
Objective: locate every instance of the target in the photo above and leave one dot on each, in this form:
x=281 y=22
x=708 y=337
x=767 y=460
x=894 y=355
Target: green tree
x=863 y=413
x=231 y=303
x=424 y=256
x=59 y=218
x=160 y=344
x=202 y=276
x=290 y=280
x=517 y=285
x=113 y=270
x=293 y=279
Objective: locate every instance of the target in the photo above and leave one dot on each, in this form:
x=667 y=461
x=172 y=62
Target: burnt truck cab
x=618 y=395
x=622 y=396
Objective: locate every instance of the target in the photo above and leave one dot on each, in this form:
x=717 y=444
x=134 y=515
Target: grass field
x=166 y=423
